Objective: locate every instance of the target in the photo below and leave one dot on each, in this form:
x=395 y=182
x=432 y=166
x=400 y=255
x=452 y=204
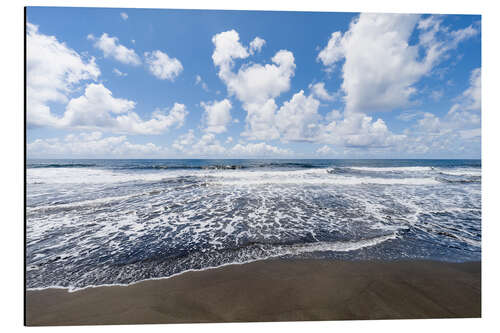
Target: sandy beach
x=273 y=290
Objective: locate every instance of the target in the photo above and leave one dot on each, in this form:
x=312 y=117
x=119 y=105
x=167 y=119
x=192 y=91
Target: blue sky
x=126 y=83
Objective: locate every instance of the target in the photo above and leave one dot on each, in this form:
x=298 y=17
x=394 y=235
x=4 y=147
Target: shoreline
x=273 y=290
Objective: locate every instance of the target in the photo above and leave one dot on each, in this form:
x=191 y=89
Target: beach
x=186 y=241
x=273 y=290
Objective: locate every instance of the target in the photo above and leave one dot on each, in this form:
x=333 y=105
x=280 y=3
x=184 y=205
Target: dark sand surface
x=274 y=290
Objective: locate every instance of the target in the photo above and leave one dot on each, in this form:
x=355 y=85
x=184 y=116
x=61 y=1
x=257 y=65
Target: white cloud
x=111 y=48
x=318 y=89
x=297 y=119
x=255 y=85
x=333 y=51
x=471 y=133
x=98 y=109
x=53 y=72
x=184 y=140
x=160 y=121
x=90 y=144
x=472 y=95
x=409 y=115
x=162 y=66
x=324 y=150
x=260 y=83
x=227 y=47
x=206 y=146
x=258 y=149
x=261 y=121
x=381 y=67
x=470 y=99
x=199 y=81
x=209 y=146
x=124 y=16
x=457 y=131
x=118 y=72
x=431 y=124
x=357 y=130
x=256 y=45
x=333 y=115
x=217 y=115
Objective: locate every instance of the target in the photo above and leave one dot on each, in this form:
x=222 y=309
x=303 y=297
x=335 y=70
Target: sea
x=117 y=222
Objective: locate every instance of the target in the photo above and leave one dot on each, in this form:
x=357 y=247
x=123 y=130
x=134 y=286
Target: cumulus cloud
x=184 y=140
x=318 y=89
x=258 y=149
x=358 y=130
x=161 y=120
x=53 y=72
x=454 y=133
x=162 y=66
x=385 y=79
x=91 y=144
x=227 y=48
x=297 y=119
x=207 y=145
x=111 y=48
x=98 y=109
x=459 y=130
x=217 y=115
x=256 y=45
x=255 y=85
x=124 y=16
x=333 y=115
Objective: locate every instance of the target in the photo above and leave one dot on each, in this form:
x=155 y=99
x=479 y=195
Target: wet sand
x=273 y=290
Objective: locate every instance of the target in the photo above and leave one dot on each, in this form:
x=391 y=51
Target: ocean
x=106 y=222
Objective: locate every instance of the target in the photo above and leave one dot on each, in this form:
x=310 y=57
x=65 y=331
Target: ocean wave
x=219 y=166
x=464 y=180
x=258 y=252
x=461 y=172
x=61 y=165
x=394 y=169
x=328 y=181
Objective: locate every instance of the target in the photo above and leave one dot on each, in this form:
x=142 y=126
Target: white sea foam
x=461 y=172
x=92 y=176
x=329 y=181
x=95 y=218
x=393 y=169
x=337 y=246
x=278 y=251
x=93 y=202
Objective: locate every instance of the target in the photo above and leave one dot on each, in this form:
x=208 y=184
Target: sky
x=157 y=83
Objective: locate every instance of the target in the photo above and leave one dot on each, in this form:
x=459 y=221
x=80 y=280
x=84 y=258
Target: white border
x=12 y=86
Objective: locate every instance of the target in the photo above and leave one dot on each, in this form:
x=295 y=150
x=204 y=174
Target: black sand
x=274 y=290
